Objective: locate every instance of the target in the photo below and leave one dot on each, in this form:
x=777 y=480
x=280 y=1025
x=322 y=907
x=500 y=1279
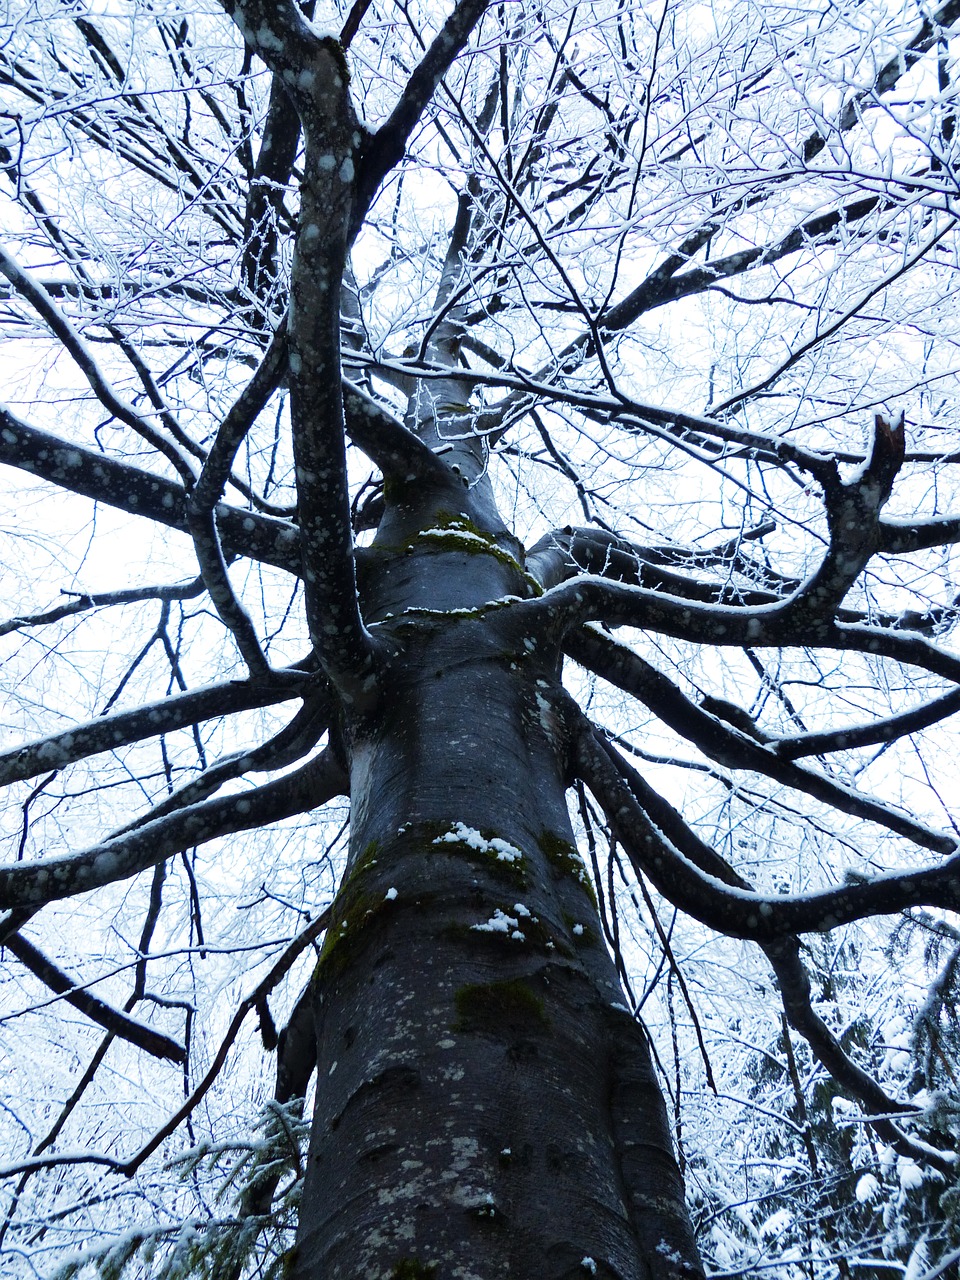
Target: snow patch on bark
x=459 y=833
x=500 y=922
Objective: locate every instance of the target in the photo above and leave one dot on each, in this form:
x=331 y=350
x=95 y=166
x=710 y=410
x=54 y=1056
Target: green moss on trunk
x=499 y=1008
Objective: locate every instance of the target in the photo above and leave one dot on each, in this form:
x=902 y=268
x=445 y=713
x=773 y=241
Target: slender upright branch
x=386 y=148
x=314 y=72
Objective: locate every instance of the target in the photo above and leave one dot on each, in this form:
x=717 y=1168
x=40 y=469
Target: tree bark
x=486 y=1104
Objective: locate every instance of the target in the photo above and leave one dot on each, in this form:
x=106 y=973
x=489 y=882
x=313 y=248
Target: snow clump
x=459 y=833
x=500 y=922
x=776 y=1224
x=910 y=1173
x=868 y=1188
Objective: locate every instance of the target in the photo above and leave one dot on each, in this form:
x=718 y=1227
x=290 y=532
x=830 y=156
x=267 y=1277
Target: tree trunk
x=486 y=1105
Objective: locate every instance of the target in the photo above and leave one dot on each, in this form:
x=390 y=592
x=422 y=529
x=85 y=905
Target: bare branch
x=794 y=985
x=264 y=210
x=13 y=921
x=784 y=956
x=396 y=451
x=128 y=1167
x=128 y=488
x=202 y=525
x=38 y=297
x=628 y=412
x=241 y=416
x=899 y=537
x=566 y=554
x=823 y=335
x=782 y=952
x=315 y=74
x=254 y=1000
x=890 y=73
x=113 y=1020
x=286 y=747
x=868 y=735
x=32 y=884
x=102 y=600
x=727 y=743
x=109 y=732
x=738 y=912
x=386 y=148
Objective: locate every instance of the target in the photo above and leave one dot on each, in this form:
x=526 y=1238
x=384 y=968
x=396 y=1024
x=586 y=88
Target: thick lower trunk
x=486 y=1106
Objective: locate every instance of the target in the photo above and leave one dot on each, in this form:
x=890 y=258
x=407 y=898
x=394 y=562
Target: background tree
x=377 y=371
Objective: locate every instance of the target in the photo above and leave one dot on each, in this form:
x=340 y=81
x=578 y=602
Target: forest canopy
x=353 y=354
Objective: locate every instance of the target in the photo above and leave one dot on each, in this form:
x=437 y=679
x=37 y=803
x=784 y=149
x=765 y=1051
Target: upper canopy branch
x=73 y=343
x=823 y=335
x=668 y=283
x=889 y=74
x=853 y=517
x=281 y=35
x=340 y=179
x=265 y=212
x=386 y=147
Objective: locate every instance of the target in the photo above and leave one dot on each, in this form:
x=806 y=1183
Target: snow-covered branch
x=738 y=912
x=386 y=147
x=124 y=727
x=113 y=1020
x=32 y=884
x=119 y=484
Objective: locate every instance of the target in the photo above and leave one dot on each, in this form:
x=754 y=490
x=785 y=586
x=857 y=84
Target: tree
x=337 y=331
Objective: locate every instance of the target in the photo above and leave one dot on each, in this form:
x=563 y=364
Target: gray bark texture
x=486 y=1105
